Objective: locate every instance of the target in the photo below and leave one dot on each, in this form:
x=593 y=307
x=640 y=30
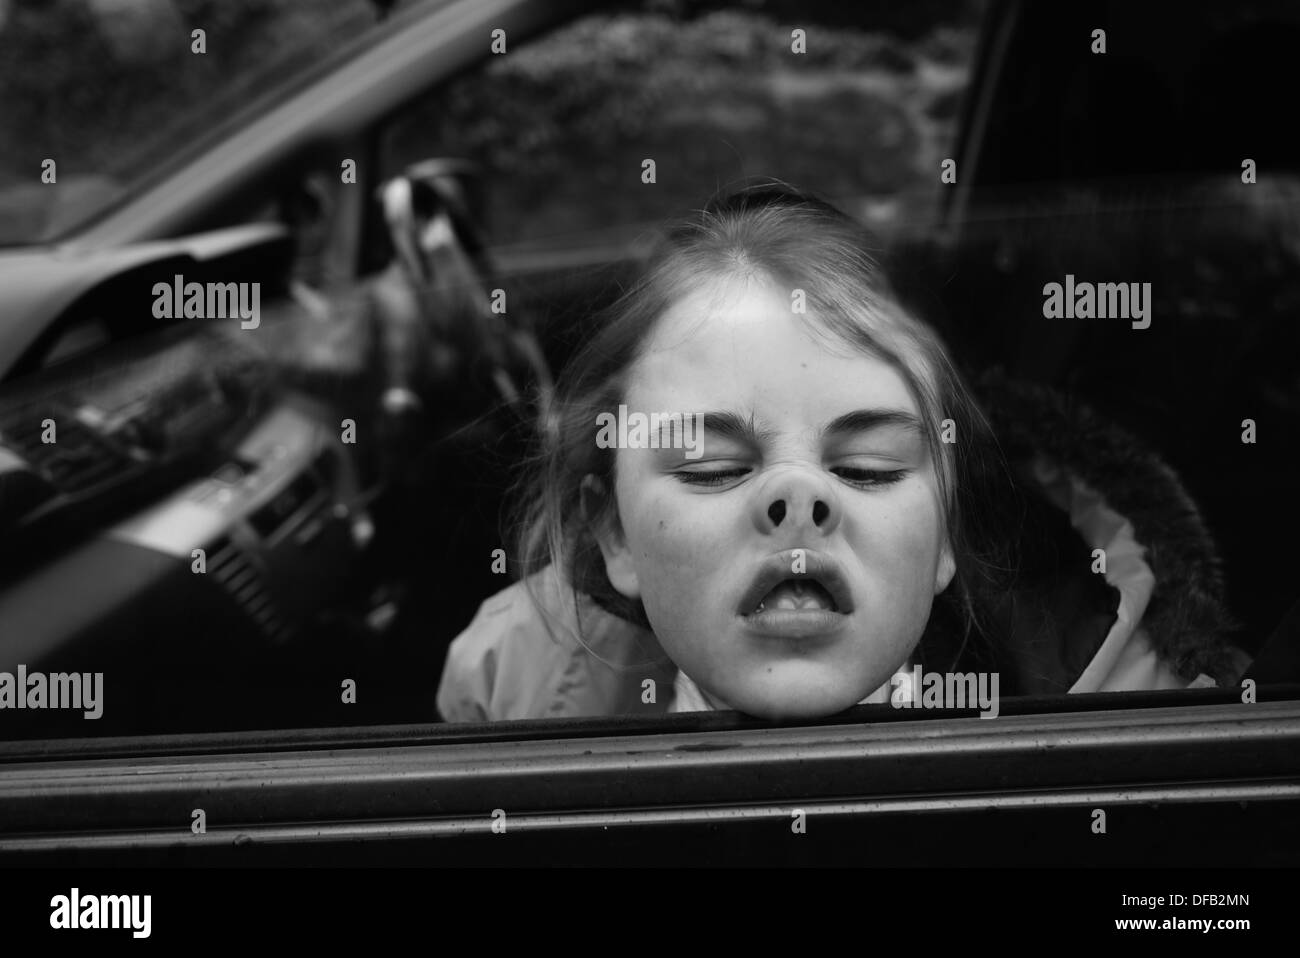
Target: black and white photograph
x=692 y=434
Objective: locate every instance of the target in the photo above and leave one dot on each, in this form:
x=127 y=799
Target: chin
x=788 y=704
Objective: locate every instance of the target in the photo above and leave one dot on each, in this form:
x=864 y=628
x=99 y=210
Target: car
x=238 y=522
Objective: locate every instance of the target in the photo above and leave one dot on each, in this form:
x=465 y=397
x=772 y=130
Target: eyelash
x=875 y=477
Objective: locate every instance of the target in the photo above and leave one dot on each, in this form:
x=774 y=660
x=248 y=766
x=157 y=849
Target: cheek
x=899 y=539
x=666 y=544
x=672 y=538
x=656 y=519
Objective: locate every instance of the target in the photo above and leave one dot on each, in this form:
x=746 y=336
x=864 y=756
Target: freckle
x=662 y=524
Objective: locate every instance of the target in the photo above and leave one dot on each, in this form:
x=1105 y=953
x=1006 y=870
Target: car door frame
x=1183 y=777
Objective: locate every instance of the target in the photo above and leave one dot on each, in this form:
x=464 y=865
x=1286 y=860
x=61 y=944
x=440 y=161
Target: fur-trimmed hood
x=1058 y=448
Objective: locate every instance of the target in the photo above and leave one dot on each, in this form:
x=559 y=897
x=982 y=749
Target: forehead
x=739 y=343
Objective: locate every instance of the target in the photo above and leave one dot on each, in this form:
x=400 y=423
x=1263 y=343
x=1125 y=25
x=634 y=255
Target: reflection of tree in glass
x=712 y=100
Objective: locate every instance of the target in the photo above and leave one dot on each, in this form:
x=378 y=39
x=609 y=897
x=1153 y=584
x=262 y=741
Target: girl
x=841 y=514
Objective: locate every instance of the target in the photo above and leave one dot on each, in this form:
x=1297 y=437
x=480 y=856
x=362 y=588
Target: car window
x=708 y=93
x=861 y=103
x=342 y=512
x=111 y=89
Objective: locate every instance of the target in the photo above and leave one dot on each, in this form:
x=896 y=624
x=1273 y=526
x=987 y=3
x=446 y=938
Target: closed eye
x=868 y=478
x=710 y=477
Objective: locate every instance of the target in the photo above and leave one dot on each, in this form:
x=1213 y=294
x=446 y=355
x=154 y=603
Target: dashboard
x=170 y=512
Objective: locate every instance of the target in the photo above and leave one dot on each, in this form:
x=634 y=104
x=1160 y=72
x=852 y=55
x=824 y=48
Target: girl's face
x=789 y=562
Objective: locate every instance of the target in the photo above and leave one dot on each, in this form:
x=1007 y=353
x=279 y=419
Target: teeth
x=795 y=597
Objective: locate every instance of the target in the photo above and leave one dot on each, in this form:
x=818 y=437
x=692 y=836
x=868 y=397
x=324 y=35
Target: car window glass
x=108 y=89
x=711 y=93
x=369 y=574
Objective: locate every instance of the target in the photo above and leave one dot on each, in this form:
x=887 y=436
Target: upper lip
x=818 y=567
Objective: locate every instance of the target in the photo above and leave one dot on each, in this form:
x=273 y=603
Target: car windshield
x=101 y=94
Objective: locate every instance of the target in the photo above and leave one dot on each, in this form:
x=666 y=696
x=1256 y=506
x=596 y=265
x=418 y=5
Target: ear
x=947 y=567
x=601 y=513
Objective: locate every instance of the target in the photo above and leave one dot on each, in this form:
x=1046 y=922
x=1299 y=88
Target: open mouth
x=802 y=582
x=797 y=595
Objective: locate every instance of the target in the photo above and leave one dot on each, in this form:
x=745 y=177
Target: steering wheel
x=435 y=302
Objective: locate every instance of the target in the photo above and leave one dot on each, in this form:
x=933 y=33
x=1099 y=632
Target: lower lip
x=795 y=624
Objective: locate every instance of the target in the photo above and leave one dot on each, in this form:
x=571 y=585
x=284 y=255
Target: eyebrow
x=728 y=425
x=731 y=426
x=865 y=420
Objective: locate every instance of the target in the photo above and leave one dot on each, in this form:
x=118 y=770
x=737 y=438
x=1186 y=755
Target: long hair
x=771 y=230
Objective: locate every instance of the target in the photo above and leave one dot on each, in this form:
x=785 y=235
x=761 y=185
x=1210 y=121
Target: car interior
x=205 y=529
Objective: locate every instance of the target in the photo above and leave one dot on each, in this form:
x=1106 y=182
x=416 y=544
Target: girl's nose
x=796 y=499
